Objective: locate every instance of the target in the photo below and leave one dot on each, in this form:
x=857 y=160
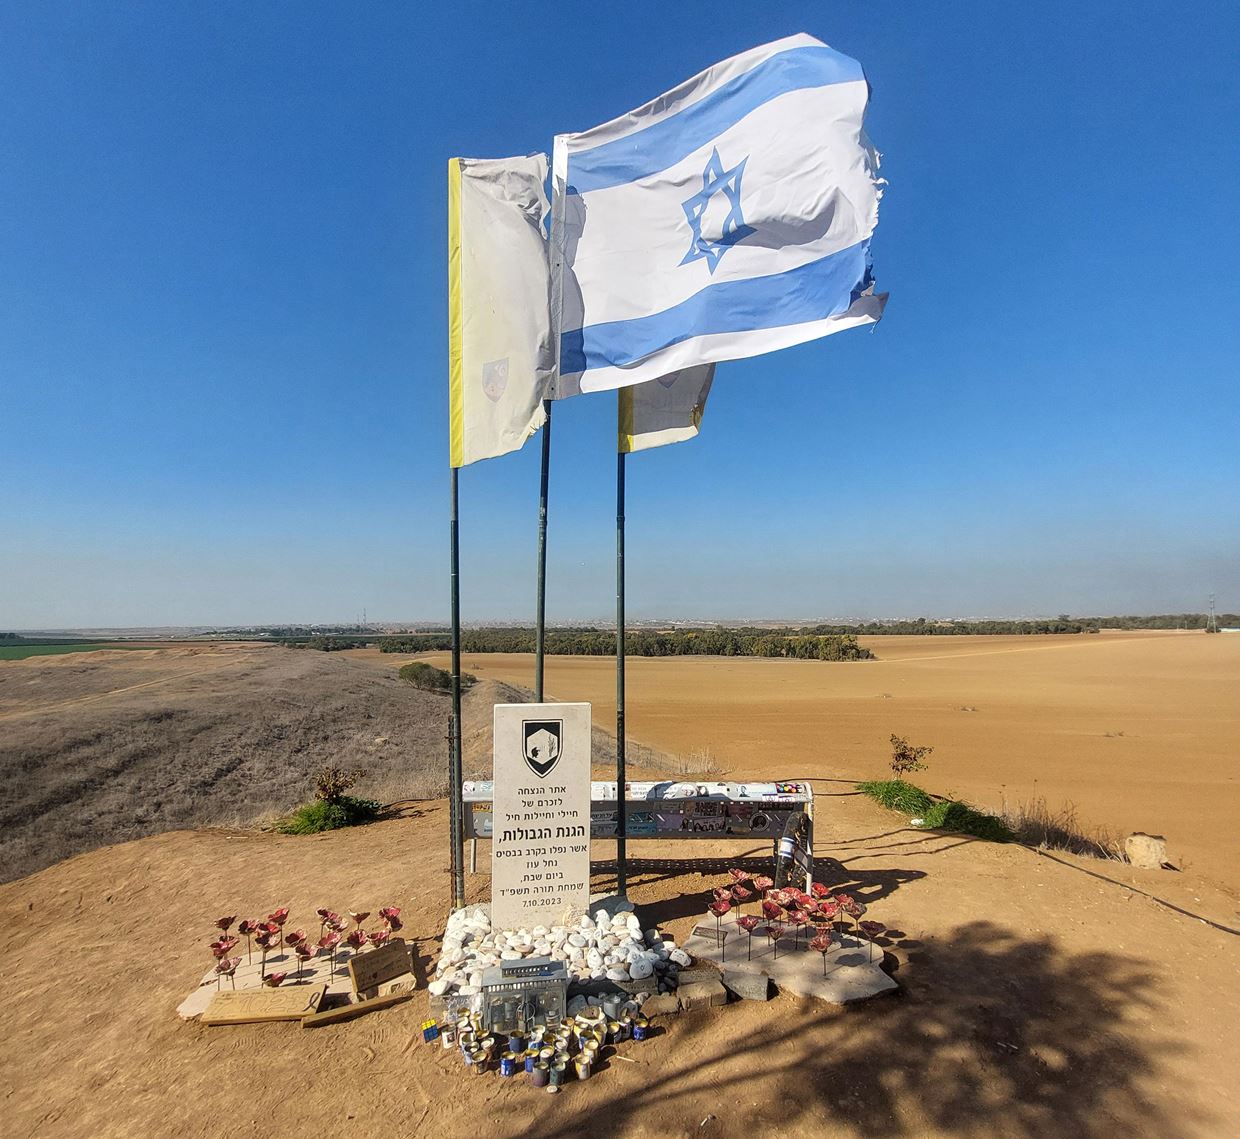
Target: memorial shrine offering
x=547 y=1054
x=594 y=948
x=324 y=971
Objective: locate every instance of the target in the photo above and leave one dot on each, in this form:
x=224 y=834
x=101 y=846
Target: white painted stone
x=615 y=973
x=436 y=988
x=680 y=957
x=640 y=969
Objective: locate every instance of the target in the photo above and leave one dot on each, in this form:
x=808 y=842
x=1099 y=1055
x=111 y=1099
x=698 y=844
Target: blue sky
x=222 y=321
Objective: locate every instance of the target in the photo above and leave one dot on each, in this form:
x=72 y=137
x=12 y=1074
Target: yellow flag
x=666 y=410
x=500 y=358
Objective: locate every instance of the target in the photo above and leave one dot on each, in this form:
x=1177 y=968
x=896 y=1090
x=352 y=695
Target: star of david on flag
x=716 y=181
x=782 y=212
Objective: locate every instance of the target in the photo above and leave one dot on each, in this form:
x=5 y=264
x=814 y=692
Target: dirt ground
x=1041 y=996
x=1141 y=731
x=1037 y=1001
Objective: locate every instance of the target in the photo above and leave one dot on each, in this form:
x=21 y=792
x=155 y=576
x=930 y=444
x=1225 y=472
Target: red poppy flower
x=819 y=890
x=772 y=911
x=359 y=917
x=748 y=922
x=829 y=908
x=720 y=908
x=279 y=917
x=295 y=937
x=247 y=928
x=872 y=928
x=223 y=924
x=739 y=875
x=741 y=894
x=274 y=979
x=761 y=882
x=379 y=936
x=722 y=894
x=329 y=942
x=822 y=942
x=227 y=966
x=356 y=938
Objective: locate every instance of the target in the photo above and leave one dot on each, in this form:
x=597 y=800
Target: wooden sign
x=255 y=1006
x=348 y=1012
x=540 y=828
x=370 y=970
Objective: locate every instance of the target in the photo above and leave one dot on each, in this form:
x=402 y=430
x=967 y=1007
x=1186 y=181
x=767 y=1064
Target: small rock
x=1146 y=851
x=680 y=957
x=437 y=988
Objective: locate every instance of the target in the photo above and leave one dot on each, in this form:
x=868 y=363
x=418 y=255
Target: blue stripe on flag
x=813 y=291
x=665 y=143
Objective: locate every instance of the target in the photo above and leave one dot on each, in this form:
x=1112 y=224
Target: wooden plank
x=257 y=1006
x=368 y=971
x=348 y=1012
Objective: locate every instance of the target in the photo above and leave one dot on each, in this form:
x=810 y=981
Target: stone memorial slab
x=540 y=842
x=851 y=970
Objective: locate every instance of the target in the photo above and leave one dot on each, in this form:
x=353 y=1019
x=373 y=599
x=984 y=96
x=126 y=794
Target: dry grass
x=114 y=747
x=1035 y=824
x=699 y=762
x=231 y=745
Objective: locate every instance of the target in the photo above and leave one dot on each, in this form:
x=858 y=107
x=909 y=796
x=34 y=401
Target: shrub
x=896 y=795
x=940 y=814
x=905 y=757
x=950 y=815
x=432 y=679
x=330 y=783
x=330 y=815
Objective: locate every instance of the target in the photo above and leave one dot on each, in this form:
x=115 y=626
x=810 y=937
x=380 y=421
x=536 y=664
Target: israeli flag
x=728 y=218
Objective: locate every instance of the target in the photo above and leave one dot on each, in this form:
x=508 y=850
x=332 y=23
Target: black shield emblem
x=541 y=742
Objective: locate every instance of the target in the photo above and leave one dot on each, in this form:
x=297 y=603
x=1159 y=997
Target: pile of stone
x=598 y=947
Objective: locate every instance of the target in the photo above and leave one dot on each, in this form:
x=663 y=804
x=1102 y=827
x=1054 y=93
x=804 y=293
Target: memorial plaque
x=540 y=832
x=370 y=970
x=254 y=1006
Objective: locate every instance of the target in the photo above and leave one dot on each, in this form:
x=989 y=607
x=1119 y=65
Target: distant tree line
x=334 y=644
x=1061 y=624
x=677 y=642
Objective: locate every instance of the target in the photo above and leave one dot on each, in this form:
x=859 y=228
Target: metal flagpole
x=540 y=631
x=456 y=811
x=621 y=829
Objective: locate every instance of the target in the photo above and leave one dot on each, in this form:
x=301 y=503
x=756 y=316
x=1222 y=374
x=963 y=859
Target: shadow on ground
x=994 y=1034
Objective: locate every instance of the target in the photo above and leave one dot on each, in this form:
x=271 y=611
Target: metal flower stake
x=822 y=942
x=749 y=923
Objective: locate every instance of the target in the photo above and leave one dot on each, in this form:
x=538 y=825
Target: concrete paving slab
x=850 y=971
x=318 y=971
